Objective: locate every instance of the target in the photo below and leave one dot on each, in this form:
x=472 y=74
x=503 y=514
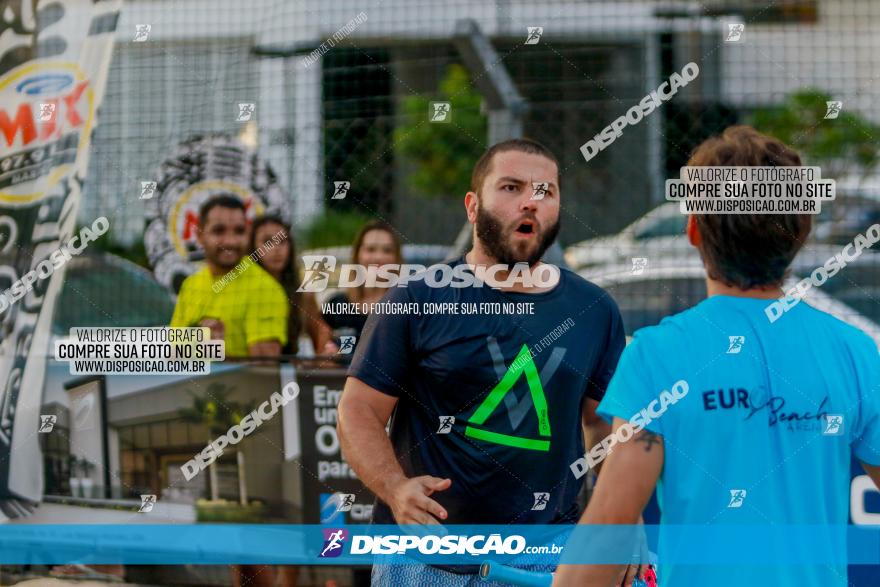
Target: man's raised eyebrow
x=511 y=180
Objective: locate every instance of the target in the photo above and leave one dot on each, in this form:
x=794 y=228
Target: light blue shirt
x=756 y=440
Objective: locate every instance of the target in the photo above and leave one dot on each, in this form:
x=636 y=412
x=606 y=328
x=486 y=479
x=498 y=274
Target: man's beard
x=216 y=258
x=491 y=234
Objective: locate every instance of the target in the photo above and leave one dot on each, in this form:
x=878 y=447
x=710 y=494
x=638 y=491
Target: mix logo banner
x=198 y=169
x=54 y=60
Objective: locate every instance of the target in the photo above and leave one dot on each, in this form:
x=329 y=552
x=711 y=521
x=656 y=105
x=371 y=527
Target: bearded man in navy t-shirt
x=488 y=405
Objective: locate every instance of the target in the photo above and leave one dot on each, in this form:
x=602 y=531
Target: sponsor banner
x=57 y=259
x=332 y=493
x=53 y=71
x=173 y=544
x=196 y=170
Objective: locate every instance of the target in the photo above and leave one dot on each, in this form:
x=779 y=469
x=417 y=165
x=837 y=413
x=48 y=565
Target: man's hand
x=629 y=575
x=218 y=330
x=264 y=348
x=410 y=502
x=641 y=560
x=633 y=571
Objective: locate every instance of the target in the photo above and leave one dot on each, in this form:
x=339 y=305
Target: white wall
x=838 y=54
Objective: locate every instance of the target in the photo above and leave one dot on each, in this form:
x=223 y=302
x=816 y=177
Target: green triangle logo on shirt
x=522 y=365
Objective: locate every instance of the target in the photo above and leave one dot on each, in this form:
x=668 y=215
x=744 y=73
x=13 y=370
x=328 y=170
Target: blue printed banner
x=452 y=545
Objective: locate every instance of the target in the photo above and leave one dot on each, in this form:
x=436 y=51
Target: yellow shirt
x=251 y=304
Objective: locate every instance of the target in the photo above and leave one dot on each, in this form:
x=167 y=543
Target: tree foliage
x=215 y=410
x=442 y=155
x=842 y=146
x=331 y=228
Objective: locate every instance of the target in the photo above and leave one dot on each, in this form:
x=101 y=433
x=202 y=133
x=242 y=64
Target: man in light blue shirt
x=763 y=417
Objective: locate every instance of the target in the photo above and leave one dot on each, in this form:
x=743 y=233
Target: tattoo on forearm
x=649 y=439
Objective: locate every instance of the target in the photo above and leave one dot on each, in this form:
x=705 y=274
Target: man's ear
x=693 y=232
x=470 y=205
x=199 y=235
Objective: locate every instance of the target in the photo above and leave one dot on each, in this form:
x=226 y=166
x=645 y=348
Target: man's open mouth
x=526 y=227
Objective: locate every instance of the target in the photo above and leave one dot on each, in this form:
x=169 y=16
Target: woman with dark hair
x=376 y=244
x=274 y=250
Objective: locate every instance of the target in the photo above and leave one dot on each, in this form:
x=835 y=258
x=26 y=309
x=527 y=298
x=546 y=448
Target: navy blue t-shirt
x=515 y=385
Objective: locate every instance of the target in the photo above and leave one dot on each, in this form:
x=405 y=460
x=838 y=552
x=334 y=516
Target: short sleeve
x=267 y=315
x=866 y=433
x=615 y=342
x=631 y=388
x=181 y=317
x=385 y=350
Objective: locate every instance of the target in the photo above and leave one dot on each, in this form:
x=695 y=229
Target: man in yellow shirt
x=235 y=297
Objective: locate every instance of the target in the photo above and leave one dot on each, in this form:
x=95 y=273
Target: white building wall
x=198 y=62
x=839 y=54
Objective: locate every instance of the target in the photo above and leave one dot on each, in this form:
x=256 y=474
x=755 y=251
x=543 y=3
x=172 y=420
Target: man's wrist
x=390 y=484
